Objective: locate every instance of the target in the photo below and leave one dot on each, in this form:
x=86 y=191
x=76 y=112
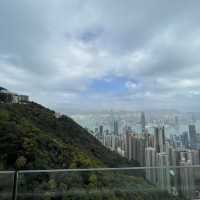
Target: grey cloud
x=63 y=46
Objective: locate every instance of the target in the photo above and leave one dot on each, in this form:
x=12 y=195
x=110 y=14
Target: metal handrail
x=97 y=169
x=105 y=169
x=7 y=172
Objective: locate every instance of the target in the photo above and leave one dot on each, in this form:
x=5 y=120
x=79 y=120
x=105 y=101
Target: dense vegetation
x=31 y=137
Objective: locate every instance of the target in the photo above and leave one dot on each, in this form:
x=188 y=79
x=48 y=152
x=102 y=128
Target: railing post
x=15 y=186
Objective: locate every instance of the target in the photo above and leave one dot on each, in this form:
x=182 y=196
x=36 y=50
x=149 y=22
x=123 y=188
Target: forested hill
x=31 y=137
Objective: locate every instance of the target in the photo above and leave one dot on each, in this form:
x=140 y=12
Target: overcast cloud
x=110 y=54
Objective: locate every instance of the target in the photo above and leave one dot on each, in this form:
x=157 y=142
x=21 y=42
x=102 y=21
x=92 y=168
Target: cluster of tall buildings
x=169 y=166
x=135 y=147
x=168 y=161
x=112 y=140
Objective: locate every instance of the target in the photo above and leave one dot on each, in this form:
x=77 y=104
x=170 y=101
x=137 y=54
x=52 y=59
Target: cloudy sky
x=80 y=55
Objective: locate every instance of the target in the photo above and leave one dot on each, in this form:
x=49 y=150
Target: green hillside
x=31 y=137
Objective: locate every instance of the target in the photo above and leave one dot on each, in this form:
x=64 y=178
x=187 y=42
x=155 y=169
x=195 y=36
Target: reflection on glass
x=163 y=183
x=6 y=185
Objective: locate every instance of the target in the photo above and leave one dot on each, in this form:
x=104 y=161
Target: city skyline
x=80 y=56
x=168 y=159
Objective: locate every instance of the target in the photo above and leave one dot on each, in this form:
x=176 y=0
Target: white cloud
x=194 y=92
x=64 y=46
x=131 y=85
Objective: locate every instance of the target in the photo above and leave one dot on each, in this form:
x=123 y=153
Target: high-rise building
x=143 y=123
x=96 y=130
x=195 y=157
x=101 y=130
x=176 y=121
x=193 y=136
x=121 y=145
x=135 y=148
x=163 y=171
x=172 y=155
x=184 y=175
x=186 y=178
x=150 y=163
x=159 y=139
x=128 y=152
x=116 y=127
x=110 y=142
x=185 y=139
x=138 y=144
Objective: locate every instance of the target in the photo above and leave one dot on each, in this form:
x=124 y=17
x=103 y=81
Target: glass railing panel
x=6 y=185
x=111 y=184
x=80 y=184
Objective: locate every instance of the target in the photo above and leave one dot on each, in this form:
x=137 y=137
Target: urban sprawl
x=168 y=160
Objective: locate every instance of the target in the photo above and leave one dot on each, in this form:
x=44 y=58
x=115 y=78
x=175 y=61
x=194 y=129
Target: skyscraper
x=101 y=130
x=138 y=149
x=186 y=178
x=135 y=148
x=150 y=162
x=116 y=127
x=176 y=121
x=143 y=123
x=195 y=157
x=159 y=139
x=163 y=171
x=185 y=139
x=128 y=152
x=193 y=136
